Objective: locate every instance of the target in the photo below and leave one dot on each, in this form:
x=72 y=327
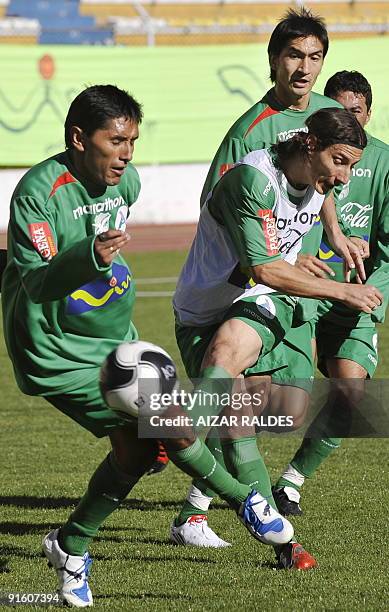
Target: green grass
x=47 y=460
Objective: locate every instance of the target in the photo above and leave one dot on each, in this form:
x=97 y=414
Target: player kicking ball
x=69 y=293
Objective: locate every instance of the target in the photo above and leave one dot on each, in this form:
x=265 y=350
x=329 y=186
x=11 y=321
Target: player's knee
x=348 y=392
x=291 y=402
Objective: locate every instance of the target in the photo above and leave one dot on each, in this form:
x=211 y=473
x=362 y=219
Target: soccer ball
x=134 y=375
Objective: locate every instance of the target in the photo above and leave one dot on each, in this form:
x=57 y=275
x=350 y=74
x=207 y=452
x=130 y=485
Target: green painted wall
x=190 y=95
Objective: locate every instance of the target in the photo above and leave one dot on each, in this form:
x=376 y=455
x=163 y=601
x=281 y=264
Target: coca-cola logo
x=355 y=214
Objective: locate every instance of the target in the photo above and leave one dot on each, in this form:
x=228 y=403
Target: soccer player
x=67 y=296
x=347 y=341
x=252 y=226
x=296 y=50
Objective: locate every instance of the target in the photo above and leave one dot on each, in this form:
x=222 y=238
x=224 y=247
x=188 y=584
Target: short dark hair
x=349 y=80
x=94 y=106
x=330 y=126
x=296 y=24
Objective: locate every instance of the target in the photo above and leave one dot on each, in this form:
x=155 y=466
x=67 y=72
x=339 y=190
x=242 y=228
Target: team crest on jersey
x=101 y=223
x=100 y=292
x=42 y=239
x=344 y=191
x=269 y=231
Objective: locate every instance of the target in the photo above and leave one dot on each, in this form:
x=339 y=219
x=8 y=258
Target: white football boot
x=72 y=572
x=263 y=522
x=195 y=532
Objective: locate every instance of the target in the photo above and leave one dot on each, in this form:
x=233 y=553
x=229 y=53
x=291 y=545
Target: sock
x=244 y=461
x=107 y=488
x=196 y=460
x=200 y=495
x=213 y=380
x=196 y=502
x=312 y=453
x=291 y=478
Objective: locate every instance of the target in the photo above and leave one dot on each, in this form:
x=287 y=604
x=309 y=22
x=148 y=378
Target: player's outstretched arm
x=288 y=279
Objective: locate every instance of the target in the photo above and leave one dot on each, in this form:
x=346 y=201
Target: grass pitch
x=46 y=461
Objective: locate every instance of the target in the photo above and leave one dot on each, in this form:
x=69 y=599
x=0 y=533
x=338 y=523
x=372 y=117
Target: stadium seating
x=179 y=22
x=60 y=22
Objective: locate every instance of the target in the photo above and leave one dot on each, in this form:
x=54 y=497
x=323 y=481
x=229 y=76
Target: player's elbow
x=266 y=274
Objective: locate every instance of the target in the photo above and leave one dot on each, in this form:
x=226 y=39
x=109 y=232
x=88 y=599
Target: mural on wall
x=190 y=96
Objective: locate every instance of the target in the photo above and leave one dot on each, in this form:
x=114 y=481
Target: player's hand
x=108 y=244
x=362 y=297
x=362 y=245
x=351 y=255
x=313 y=266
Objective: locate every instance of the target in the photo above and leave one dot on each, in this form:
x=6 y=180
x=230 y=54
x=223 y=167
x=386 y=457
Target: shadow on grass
x=25 y=501
x=4 y=569
x=140 y=596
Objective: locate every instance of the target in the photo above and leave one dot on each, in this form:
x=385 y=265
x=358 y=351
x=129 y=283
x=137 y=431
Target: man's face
x=356 y=104
x=298 y=66
x=104 y=155
x=332 y=166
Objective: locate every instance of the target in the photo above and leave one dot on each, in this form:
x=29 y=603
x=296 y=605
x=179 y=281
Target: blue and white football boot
x=263 y=522
x=72 y=572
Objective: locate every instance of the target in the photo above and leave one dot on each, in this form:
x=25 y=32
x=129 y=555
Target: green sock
x=213 y=443
x=244 y=461
x=312 y=453
x=213 y=380
x=196 y=460
x=108 y=487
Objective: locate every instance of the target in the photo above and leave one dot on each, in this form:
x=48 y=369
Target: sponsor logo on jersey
x=98 y=207
x=42 y=239
x=267 y=189
x=121 y=218
x=269 y=231
x=361 y=172
x=100 y=292
x=266 y=306
x=355 y=214
x=372 y=359
x=101 y=223
x=282 y=136
x=300 y=217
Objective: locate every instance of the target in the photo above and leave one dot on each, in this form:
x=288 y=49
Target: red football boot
x=161 y=460
x=294 y=556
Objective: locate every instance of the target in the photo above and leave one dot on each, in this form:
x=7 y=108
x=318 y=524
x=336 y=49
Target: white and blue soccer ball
x=133 y=375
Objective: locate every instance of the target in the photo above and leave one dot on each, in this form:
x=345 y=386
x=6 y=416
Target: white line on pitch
x=156 y=281
x=150 y=294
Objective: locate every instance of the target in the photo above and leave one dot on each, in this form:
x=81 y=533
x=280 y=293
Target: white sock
x=198 y=499
x=293 y=475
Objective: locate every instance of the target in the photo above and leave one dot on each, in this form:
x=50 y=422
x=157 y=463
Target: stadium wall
x=169 y=194
x=190 y=96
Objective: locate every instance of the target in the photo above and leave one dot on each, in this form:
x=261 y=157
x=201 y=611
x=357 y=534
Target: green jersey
x=63 y=312
x=264 y=124
x=362 y=207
